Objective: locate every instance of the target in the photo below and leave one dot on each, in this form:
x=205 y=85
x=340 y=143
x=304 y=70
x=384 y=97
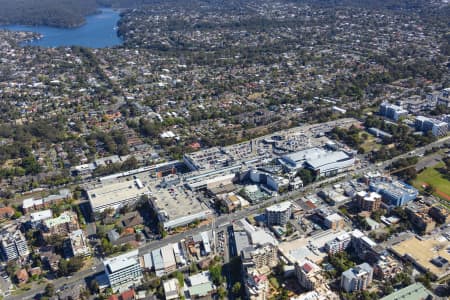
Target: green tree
x=178 y=275
x=49 y=290
x=216 y=274
x=94 y=287
x=221 y=292
x=306 y=176
x=236 y=289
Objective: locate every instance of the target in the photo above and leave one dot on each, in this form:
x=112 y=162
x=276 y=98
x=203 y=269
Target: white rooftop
x=122 y=261
x=280 y=207
x=334 y=217
x=41 y=215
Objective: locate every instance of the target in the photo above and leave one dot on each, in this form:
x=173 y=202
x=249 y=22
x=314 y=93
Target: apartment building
x=357 y=278
x=368 y=201
x=309 y=275
x=13 y=244
x=279 y=214
x=258 y=257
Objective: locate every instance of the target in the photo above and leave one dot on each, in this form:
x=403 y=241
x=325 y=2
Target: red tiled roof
x=6 y=211
x=128 y=295
x=307 y=267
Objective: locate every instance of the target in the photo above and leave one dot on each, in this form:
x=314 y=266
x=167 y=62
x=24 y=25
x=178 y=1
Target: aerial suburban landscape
x=240 y=149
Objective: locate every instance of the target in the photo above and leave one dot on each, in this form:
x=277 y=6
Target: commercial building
x=123 y=271
x=368 y=201
x=78 y=243
x=279 y=214
x=357 y=278
x=271 y=181
x=13 y=244
x=427 y=254
x=394 y=193
x=391 y=111
x=259 y=256
x=164 y=261
x=257 y=236
x=176 y=205
x=415 y=291
x=322 y=162
x=309 y=275
x=437 y=127
x=116 y=194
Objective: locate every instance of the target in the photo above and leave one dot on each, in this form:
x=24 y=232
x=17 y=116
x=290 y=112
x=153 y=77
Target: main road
x=223 y=221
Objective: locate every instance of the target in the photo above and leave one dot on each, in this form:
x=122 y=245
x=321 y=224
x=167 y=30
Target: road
x=223 y=221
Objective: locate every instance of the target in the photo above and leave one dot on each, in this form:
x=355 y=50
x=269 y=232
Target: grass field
x=369 y=144
x=431 y=176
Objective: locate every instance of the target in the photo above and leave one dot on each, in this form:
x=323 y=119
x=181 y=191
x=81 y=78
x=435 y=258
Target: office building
x=357 y=278
x=123 y=271
x=309 y=275
x=368 y=201
x=13 y=244
x=436 y=127
x=279 y=214
x=391 y=111
x=394 y=193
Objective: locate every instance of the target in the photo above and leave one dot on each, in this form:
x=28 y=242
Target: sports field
x=431 y=176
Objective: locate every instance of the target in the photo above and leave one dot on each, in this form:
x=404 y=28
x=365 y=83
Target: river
x=99 y=31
